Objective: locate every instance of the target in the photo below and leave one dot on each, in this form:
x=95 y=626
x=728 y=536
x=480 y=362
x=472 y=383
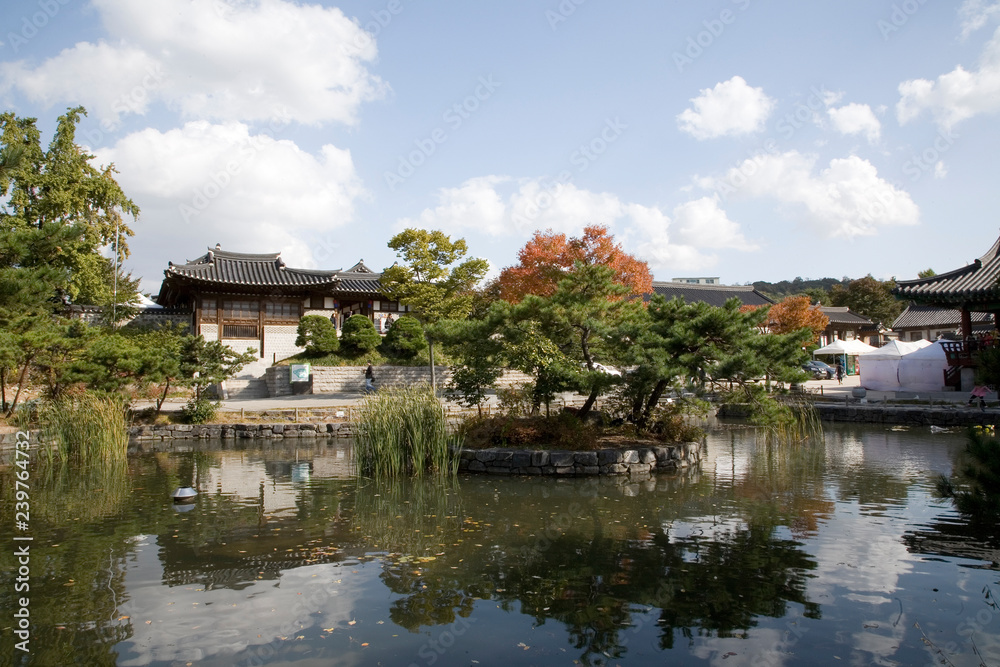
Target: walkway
x=827 y=388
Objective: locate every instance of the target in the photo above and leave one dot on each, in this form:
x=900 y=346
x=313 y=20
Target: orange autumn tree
x=794 y=313
x=545 y=259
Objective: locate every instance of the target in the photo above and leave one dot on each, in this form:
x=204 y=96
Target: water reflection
x=816 y=554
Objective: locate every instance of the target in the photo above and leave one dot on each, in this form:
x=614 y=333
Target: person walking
x=840 y=372
x=369 y=380
x=979 y=391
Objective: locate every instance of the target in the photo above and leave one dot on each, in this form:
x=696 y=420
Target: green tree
x=580 y=318
x=58 y=194
x=317 y=335
x=405 y=339
x=869 y=297
x=358 y=335
x=432 y=282
x=927 y=273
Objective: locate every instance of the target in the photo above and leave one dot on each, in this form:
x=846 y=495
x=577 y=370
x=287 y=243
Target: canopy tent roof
x=850 y=347
x=895 y=349
x=974 y=286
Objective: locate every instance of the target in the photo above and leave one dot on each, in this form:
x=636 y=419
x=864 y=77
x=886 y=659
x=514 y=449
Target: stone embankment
x=212 y=431
x=906 y=415
x=638 y=461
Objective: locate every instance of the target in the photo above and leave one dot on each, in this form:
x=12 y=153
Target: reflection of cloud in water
x=762 y=646
x=188 y=623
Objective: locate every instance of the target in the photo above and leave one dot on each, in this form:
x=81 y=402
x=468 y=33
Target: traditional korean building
x=845 y=324
x=256 y=301
x=930 y=323
x=975 y=288
x=712 y=294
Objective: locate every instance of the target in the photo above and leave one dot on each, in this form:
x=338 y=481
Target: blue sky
x=731 y=138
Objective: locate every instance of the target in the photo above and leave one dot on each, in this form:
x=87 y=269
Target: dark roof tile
x=713 y=295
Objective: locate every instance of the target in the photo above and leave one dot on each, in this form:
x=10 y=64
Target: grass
x=403 y=431
x=88 y=427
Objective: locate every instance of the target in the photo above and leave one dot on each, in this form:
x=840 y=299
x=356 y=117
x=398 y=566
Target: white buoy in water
x=183 y=494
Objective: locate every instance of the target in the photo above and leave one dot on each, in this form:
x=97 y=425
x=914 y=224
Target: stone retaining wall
x=351 y=379
x=908 y=415
x=639 y=461
x=210 y=431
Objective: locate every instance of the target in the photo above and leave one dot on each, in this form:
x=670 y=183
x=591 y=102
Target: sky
x=738 y=139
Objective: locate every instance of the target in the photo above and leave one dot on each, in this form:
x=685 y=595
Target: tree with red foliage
x=547 y=257
x=794 y=313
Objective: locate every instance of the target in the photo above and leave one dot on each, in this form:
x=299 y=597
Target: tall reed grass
x=403 y=431
x=89 y=427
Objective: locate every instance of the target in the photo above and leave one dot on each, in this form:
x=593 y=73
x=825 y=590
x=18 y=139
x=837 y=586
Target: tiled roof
x=713 y=295
x=976 y=282
x=843 y=315
x=929 y=317
x=232 y=268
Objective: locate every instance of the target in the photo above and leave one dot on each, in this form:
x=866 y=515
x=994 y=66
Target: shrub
x=199 y=411
x=318 y=335
x=359 y=335
x=405 y=339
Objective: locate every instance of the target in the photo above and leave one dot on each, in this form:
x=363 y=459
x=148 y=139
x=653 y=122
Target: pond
x=834 y=553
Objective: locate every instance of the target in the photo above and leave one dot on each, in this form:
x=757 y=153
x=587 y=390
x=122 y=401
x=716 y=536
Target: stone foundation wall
x=907 y=415
x=639 y=461
x=211 y=431
x=351 y=379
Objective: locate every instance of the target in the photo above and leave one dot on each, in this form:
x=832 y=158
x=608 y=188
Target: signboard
x=299 y=372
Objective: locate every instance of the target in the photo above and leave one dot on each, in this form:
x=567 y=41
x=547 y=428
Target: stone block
x=561 y=459
x=586 y=458
x=630 y=456
x=539 y=459
x=477 y=466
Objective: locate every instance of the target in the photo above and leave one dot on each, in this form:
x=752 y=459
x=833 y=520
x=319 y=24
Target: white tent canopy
x=851 y=347
x=923 y=370
x=880 y=368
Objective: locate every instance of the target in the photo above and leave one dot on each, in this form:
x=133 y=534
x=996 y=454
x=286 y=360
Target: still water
x=834 y=553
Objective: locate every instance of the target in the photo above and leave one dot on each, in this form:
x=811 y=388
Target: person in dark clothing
x=369 y=379
x=840 y=372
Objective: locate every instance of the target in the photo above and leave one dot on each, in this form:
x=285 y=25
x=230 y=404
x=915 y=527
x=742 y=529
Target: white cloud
x=205 y=183
x=957 y=95
x=856 y=119
x=846 y=199
x=500 y=206
x=977 y=13
x=271 y=59
x=731 y=108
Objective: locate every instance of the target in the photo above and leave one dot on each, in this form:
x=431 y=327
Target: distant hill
x=780 y=290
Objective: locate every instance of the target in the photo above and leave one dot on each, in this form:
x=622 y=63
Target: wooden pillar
x=966 y=323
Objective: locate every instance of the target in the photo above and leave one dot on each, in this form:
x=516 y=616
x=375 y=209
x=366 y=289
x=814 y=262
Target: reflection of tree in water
x=77 y=572
x=591 y=560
